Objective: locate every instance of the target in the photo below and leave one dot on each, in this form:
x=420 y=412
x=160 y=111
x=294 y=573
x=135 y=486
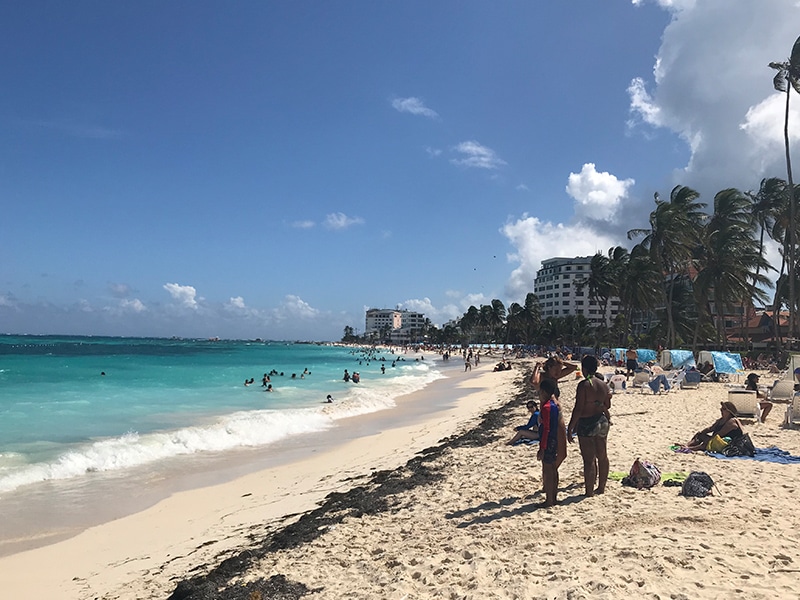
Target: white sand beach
x=472 y=528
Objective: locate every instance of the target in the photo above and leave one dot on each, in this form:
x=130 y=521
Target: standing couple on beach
x=590 y=421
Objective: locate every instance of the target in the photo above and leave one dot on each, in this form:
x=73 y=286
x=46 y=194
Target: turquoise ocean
x=74 y=408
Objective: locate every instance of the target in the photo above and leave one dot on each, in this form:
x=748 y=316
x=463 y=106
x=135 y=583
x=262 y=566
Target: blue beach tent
x=679 y=359
x=645 y=355
x=723 y=362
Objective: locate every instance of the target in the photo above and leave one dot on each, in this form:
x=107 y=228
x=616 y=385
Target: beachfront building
x=399 y=326
x=559 y=295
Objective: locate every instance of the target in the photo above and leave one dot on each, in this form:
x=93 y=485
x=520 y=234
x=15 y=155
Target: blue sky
x=271 y=169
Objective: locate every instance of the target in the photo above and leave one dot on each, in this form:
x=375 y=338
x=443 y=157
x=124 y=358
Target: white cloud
x=303 y=224
x=433 y=152
x=669 y=4
x=598 y=201
x=422 y=306
x=535 y=241
x=237 y=303
x=7 y=301
x=341 y=221
x=642 y=104
x=119 y=290
x=414 y=106
x=598 y=195
x=185 y=295
x=522 y=188
x=475 y=155
x=712 y=87
x=766 y=138
x=294 y=307
x=440 y=315
x=236 y=306
x=134 y=305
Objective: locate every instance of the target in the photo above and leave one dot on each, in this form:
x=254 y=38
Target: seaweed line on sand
x=371 y=498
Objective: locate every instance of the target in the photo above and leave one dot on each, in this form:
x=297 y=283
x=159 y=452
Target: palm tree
x=498 y=317
x=600 y=281
x=771 y=216
x=532 y=316
x=641 y=285
x=470 y=321
x=788 y=77
x=730 y=269
x=514 y=322
x=674 y=232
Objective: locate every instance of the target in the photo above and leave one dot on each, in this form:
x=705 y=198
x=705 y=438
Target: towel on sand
x=527 y=441
x=771 y=454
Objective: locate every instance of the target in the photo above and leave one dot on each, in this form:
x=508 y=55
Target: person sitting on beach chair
x=529 y=431
x=766 y=405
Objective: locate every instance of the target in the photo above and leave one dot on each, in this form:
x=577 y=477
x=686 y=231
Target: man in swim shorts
x=631 y=361
x=591 y=420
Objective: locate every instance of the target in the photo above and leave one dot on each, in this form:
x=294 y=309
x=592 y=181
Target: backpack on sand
x=698 y=485
x=643 y=475
x=741 y=446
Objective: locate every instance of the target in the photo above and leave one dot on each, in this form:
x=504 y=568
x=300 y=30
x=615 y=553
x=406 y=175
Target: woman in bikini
x=726 y=426
x=553 y=369
x=590 y=420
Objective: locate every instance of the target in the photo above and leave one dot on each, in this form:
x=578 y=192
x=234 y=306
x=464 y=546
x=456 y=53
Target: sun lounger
x=746 y=403
x=676 y=378
x=640 y=380
x=691 y=380
x=793 y=411
x=618 y=383
x=782 y=391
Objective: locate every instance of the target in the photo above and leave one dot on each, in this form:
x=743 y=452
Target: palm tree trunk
x=670 y=320
x=792 y=225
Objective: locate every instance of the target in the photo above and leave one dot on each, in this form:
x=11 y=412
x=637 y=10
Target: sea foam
x=241 y=429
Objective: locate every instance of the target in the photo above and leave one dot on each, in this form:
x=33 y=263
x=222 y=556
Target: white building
x=400 y=325
x=559 y=295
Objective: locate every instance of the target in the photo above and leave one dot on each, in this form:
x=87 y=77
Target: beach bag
x=741 y=446
x=698 y=485
x=717 y=444
x=643 y=475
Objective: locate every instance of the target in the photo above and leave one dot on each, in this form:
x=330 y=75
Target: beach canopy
x=723 y=362
x=679 y=359
x=642 y=354
x=645 y=355
x=794 y=363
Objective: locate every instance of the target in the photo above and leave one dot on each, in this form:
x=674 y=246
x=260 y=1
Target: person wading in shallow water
x=591 y=420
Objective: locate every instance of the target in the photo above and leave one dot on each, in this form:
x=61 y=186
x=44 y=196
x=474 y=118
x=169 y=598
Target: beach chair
x=691 y=380
x=746 y=403
x=618 y=383
x=782 y=391
x=676 y=378
x=793 y=411
x=640 y=380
